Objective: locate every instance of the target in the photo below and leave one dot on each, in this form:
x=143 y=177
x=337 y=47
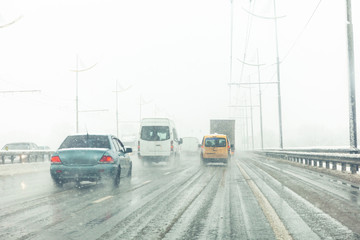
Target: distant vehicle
x=190 y=146
x=18 y=146
x=90 y=158
x=158 y=140
x=44 y=148
x=215 y=148
x=226 y=127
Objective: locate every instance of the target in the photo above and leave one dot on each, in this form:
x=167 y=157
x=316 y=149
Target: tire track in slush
x=274 y=220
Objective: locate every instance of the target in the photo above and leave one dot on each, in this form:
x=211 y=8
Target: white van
x=158 y=140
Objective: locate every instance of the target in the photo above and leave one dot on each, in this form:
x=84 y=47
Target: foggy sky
x=176 y=55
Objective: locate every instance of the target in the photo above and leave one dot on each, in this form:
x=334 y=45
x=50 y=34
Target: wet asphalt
x=250 y=198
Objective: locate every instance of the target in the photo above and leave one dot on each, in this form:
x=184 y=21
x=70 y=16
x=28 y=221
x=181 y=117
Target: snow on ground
x=21 y=168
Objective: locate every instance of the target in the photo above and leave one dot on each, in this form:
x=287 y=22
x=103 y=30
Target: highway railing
x=24 y=156
x=343 y=159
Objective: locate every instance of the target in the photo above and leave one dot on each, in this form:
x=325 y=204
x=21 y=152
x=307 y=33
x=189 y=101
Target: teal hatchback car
x=90 y=158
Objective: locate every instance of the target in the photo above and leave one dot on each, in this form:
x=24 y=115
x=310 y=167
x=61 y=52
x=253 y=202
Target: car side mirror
x=128 y=150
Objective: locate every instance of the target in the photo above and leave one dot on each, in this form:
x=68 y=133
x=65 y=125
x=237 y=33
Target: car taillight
x=139 y=146
x=56 y=160
x=106 y=159
x=172 y=145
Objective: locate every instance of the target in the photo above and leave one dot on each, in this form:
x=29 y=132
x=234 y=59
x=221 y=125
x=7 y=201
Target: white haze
x=176 y=56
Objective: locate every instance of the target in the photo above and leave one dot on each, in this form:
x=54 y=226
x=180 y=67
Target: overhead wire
x=302 y=31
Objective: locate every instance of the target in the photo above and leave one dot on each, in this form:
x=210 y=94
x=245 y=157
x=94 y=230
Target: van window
x=215 y=142
x=155 y=133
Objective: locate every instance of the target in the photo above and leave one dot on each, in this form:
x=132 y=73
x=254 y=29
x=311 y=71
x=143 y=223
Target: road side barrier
x=25 y=156
x=334 y=161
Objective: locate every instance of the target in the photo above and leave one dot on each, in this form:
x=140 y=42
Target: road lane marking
x=274 y=220
x=102 y=199
x=167 y=173
x=141 y=185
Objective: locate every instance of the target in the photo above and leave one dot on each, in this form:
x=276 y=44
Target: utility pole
x=277 y=68
x=77 y=89
x=77 y=94
x=259 y=83
x=117 y=106
x=231 y=49
x=260 y=101
x=251 y=117
x=352 y=99
x=278 y=79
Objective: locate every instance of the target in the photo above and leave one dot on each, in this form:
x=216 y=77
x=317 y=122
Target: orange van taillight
x=172 y=145
x=139 y=146
x=55 y=160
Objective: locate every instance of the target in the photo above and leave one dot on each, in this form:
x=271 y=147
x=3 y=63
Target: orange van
x=215 y=148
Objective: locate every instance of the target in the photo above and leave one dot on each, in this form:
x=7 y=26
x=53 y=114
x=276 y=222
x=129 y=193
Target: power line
x=302 y=31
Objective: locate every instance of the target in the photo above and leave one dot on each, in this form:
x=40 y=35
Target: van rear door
x=215 y=148
x=155 y=141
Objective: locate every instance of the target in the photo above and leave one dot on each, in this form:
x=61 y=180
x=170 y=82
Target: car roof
x=215 y=135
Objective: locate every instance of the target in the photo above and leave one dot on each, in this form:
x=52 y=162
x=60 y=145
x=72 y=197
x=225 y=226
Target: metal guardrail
x=335 y=160
x=24 y=156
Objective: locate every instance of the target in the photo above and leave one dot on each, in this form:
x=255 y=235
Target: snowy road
x=251 y=198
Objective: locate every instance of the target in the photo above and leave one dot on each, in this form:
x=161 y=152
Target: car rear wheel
x=58 y=183
x=130 y=171
x=117 y=178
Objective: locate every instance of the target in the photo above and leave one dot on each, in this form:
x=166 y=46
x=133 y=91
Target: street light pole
x=352 y=99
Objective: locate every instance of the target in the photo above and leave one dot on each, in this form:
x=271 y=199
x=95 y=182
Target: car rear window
x=86 y=141
x=215 y=142
x=155 y=133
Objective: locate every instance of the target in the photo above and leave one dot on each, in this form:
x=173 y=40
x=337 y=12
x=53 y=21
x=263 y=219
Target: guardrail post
x=354 y=168
x=3 y=159
x=321 y=163
x=334 y=167
x=12 y=158
x=327 y=164
x=315 y=163
x=343 y=167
